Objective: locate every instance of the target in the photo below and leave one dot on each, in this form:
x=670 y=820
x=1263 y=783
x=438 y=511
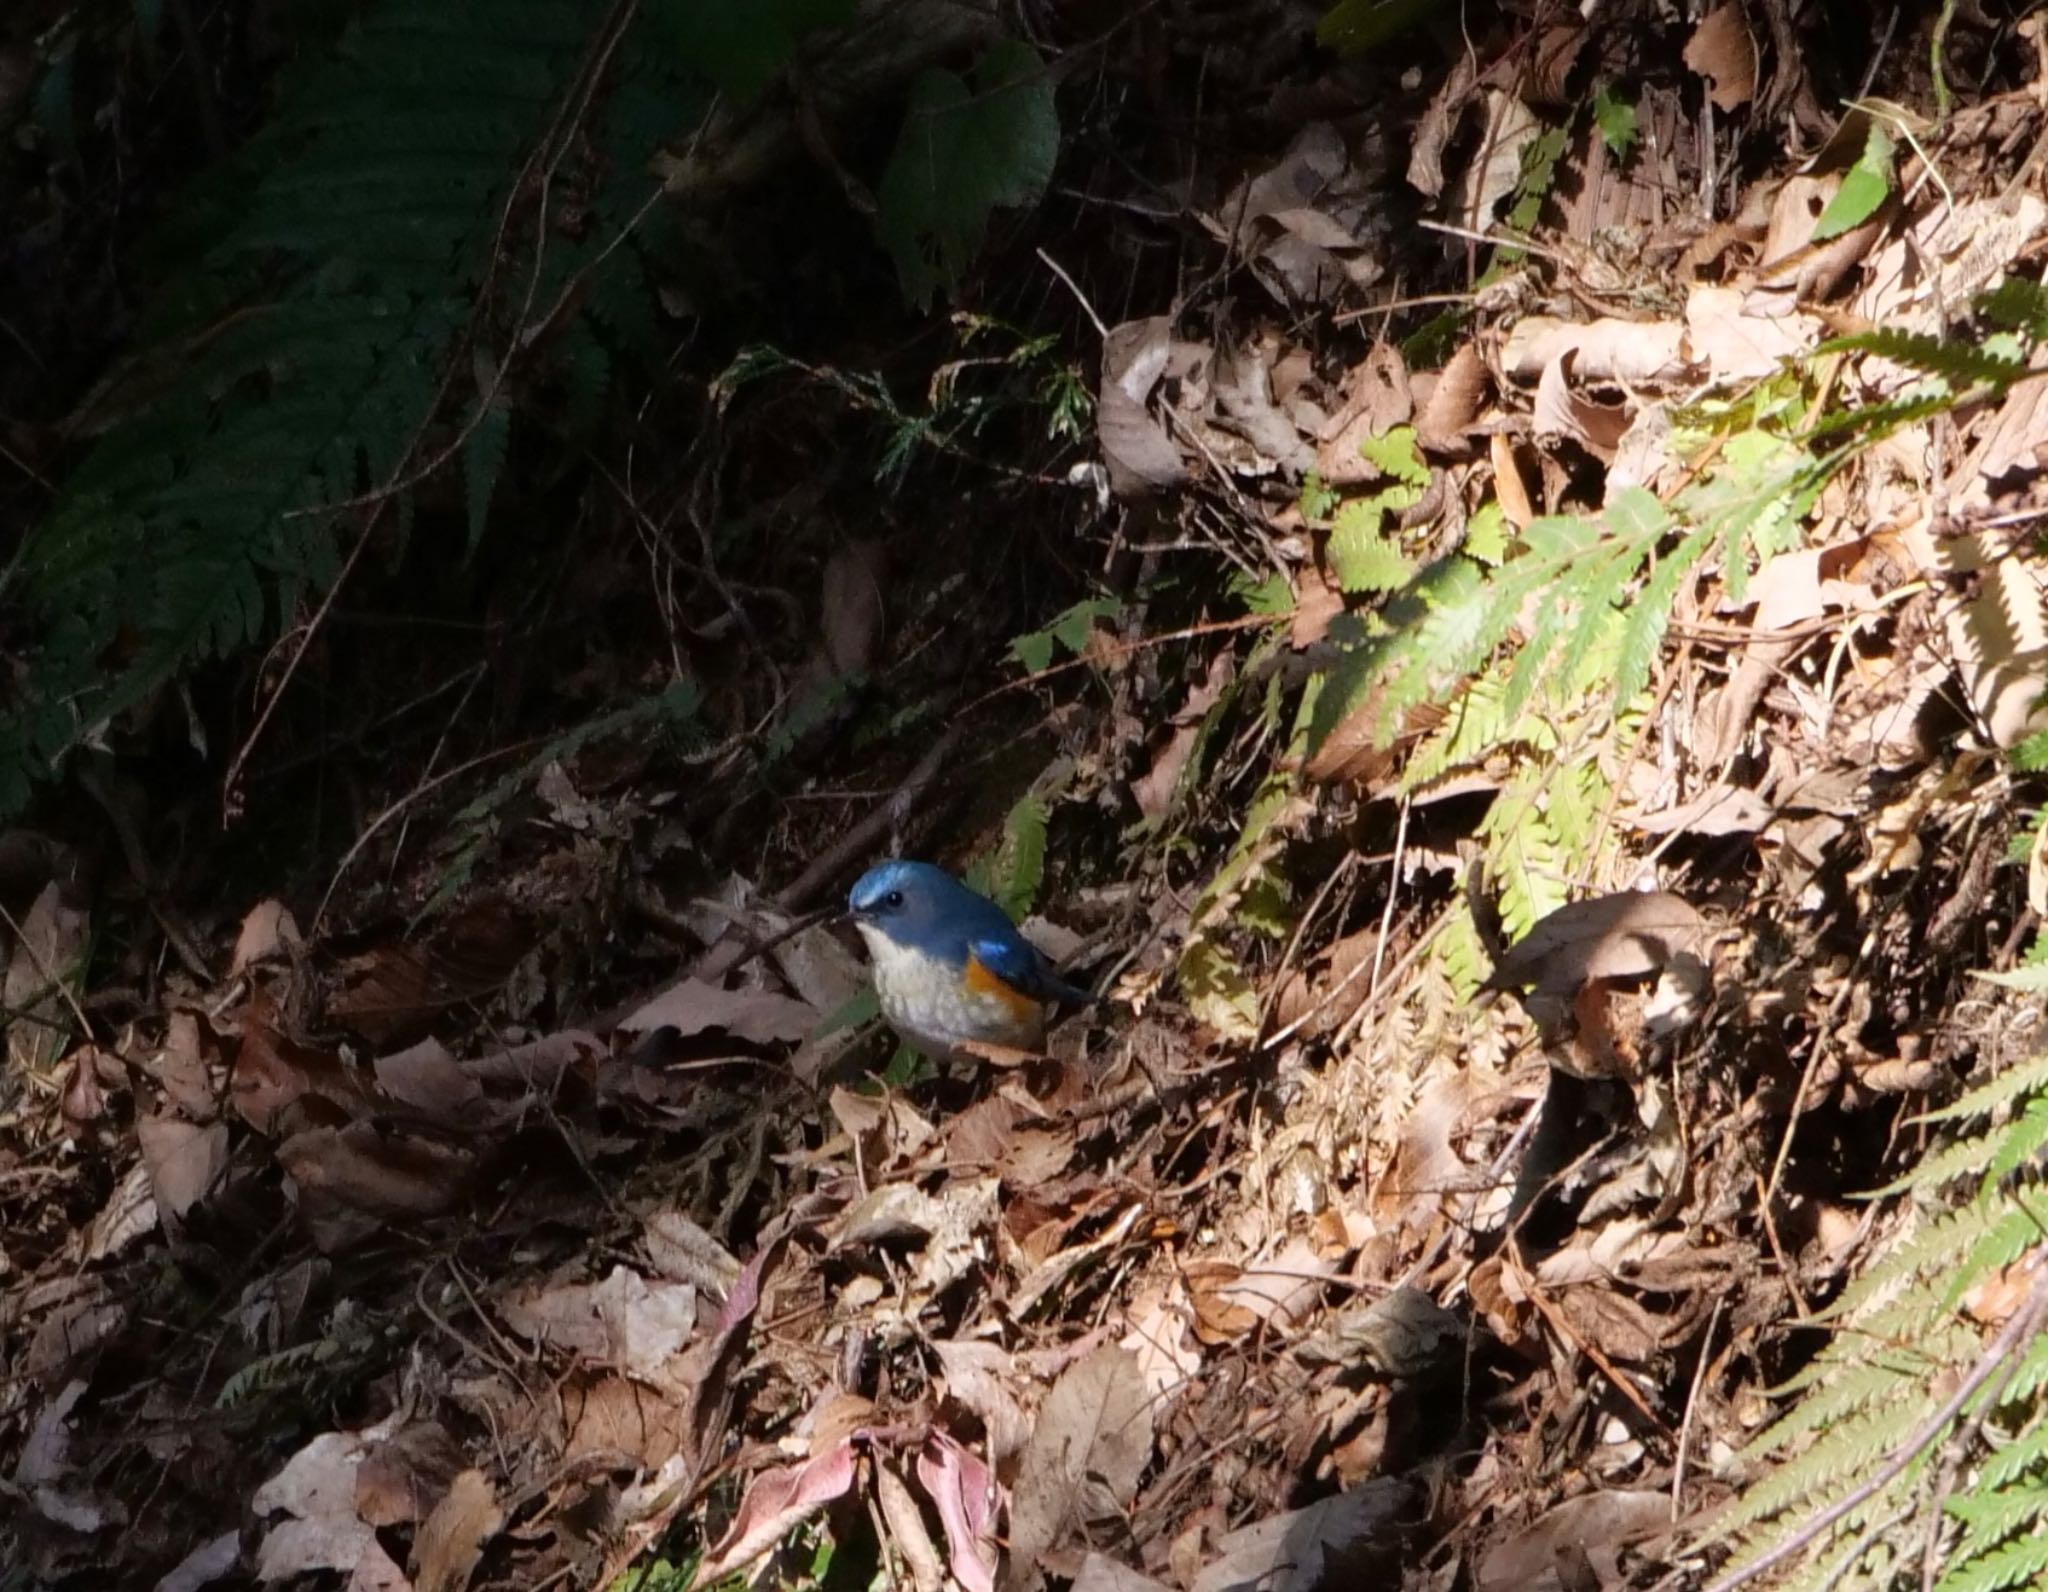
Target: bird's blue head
x=920 y=907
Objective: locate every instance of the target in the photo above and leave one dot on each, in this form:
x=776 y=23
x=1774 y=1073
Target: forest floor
x=1489 y=1087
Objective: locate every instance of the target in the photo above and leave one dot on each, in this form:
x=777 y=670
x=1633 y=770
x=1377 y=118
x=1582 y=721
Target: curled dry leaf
x=624 y=1321
x=963 y=1490
x=776 y=1503
x=907 y=1533
x=1632 y=353
x=1141 y=456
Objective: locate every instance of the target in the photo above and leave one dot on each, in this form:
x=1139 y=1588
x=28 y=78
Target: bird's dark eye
x=893 y=899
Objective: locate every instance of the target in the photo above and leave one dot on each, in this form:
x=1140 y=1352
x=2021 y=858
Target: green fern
x=1901 y=1340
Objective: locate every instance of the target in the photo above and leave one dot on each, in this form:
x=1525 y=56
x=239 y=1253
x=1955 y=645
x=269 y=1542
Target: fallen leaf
x=1628 y=934
x=907 y=1533
x=978 y=1377
x=1090 y=1444
x=1140 y=455
x=1598 y=1525
x=694 y=1007
x=1721 y=51
x=268 y=930
x=316 y=1490
x=623 y=1423
x=1098 y=1574
x=211 y=1561
x=185 y=1160
x=963 y=1490
x=451 y=1539
x=776 y=1502
x=48 y=958
x=425 y=1077
x=624 y=1321
x=1341 y=1541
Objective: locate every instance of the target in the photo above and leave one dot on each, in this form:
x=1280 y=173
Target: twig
x=1087 y=308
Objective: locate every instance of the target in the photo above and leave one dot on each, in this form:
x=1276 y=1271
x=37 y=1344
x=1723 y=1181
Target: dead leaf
x=963 y=1490
x=1090 y=1444
x=130 y=1212
x=48 y=958
x=850 y=605
x=213 y=1560
x=776 y=1503
x=1628 y=934
x=907 y=1534
x=977 y=1377
x=1141 y=456
x=1106 y=1575
x=425 y=1077
x=623 y=1321
x=316 y=1489
x=1155 y=789
x=694 y=1007
x=451 y=1539
x=1631 y=353
x=1598 y=1525
x=185 y=1161
x=1721 y=51
x=1497 y=170
x=360 y=1169
x=1347 y=1540
x=623 y=1423
x=268 y=930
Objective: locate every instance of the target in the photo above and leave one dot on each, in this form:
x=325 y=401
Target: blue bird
x=950 y=967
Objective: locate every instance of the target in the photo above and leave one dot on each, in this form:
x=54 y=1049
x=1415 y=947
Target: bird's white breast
x=930 y=1005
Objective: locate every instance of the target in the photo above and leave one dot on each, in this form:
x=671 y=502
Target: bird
x=950 y=968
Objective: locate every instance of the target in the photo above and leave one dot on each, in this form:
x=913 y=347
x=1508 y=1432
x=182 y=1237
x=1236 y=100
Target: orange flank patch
x=981 y=980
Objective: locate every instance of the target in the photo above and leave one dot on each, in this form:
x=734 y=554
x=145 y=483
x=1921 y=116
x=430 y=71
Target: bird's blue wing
x=1020 y=964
